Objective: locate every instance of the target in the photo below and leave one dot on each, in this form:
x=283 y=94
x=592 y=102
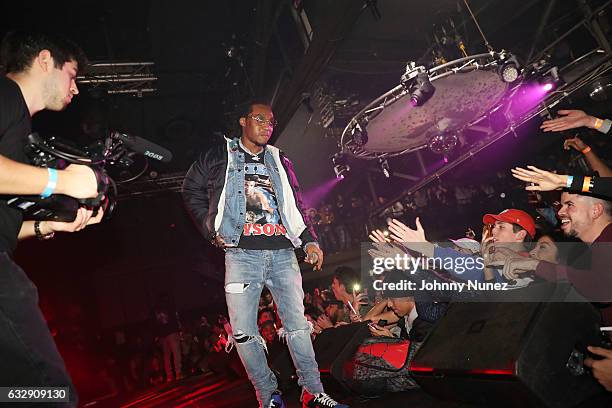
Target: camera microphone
x=145 y=147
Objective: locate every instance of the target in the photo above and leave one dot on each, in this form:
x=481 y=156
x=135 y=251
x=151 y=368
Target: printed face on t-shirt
x=262 y=217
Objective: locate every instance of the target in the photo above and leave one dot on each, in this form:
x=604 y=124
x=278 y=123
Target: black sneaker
x=321 y=400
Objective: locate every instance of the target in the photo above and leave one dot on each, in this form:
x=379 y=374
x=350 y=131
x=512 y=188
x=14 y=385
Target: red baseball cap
x=513 y=216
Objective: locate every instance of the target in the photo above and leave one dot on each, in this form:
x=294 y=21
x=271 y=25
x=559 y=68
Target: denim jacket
x=213 y=191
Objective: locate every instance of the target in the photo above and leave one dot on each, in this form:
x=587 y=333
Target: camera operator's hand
x=77 y=181
x=83 y=219
x=602 y=369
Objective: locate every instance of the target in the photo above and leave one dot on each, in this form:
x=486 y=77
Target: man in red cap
x=510 y=229
x=511 y=226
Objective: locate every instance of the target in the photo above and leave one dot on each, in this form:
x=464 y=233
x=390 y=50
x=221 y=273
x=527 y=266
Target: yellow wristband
x=586 y=150
x=598 y=123
x=586 y=184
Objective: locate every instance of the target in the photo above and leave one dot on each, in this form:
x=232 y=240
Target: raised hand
x=541 y=180
x=378 y=236
x=400 y=232
x=569 y=119
x=575 y=143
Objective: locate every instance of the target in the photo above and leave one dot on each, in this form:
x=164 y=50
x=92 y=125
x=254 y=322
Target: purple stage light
x=547 y=87
x=528 y=97
x=316 y=195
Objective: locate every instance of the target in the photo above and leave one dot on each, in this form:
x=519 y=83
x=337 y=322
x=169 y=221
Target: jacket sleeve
x=196 y=195
x=309 y=234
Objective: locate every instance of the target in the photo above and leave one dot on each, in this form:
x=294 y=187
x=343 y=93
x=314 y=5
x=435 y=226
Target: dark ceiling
x=199 y=86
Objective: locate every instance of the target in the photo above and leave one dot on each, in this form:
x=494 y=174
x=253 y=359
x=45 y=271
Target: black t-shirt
x=263 y=228
x=15 y=126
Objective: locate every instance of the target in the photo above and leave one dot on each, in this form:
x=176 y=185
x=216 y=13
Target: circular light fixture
x=509 y=69
x=443 y=143
x=509 y=73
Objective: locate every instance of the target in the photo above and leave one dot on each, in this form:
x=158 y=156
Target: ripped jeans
x=246 y=273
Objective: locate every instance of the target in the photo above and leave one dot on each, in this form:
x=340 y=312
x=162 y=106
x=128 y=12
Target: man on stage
x=244 y=197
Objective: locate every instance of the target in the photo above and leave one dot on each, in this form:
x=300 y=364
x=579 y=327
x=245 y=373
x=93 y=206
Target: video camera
x=116 y=149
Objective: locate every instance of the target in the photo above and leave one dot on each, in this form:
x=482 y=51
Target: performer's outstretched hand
x=314 y=256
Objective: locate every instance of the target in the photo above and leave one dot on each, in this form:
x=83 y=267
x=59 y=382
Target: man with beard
x=259 y=252
x=590 y=220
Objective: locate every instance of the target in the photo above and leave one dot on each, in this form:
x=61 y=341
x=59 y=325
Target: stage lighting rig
x=509 y=70
x=601 y=89
x=443 y=143
x=546 y=75
x=360 y=134
x=384 y=166
x=423 y=90
x=550 y=79
x=416 y=82
x=341 y=166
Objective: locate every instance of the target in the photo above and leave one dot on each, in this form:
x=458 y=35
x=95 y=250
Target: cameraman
x=40 y=74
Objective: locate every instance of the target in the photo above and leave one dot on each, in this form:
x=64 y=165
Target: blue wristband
x=51 y=183
x=570 y=180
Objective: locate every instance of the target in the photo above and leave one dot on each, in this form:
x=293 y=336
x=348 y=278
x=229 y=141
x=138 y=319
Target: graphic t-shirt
x=263 y=228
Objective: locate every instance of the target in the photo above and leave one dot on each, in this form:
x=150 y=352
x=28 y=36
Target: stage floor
x=212 y=391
